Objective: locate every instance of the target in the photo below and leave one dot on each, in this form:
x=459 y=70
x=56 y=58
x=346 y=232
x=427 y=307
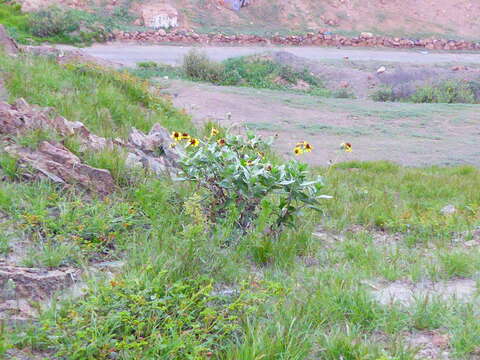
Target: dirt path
x=409 y=134
x=130 y=54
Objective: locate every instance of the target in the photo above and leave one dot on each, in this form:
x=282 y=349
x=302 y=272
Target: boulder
x=54 y=161
x=158 y=15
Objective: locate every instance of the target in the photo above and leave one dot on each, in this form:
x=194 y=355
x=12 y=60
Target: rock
x=34 y=283
x=55 y=162
x=459 y=68
x=157 y=141
x=152 y=151
x=366 y=35
x=448 y=210
x=381 y=70
x=8 y=44
x=138 y=22
x=301 y=85
x=159 y=15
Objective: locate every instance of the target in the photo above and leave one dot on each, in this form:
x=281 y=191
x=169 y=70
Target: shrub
x=384 y=94
x=238 y=179
x=53 y=21
x=446 y=92
x=197 y=66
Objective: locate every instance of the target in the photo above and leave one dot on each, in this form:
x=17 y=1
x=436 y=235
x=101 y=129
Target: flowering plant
x=236 y=174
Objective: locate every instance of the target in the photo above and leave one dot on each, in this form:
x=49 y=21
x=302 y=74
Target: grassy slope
x=322 y=311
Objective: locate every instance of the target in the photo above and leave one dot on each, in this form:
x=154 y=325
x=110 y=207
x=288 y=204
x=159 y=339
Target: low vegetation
x=60 y=25
x=210 y=269
x=256 y=72
x=450 y=92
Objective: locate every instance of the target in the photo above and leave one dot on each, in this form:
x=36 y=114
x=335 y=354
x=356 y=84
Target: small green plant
x=236 y=175
x=33 y=138
x=8 y=165
x=197 y=66
x=384 y=94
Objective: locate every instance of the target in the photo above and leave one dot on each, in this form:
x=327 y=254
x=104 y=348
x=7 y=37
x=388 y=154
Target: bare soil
x=397 y=17
x=409 y=134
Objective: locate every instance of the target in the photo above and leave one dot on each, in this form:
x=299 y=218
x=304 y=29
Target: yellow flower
x=249 y=163
x=214 y=132
x=305 y=146
x=176 y=136
x=308 y=147
x=261 y=154
x=185 y=136
x=194 y=142
x=221 y=142
x=347 y=147
x=298 y=151
x=173 y=145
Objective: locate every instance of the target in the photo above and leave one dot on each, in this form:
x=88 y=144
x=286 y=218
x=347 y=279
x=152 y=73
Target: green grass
x=252 y=72
x=190 y=293
x=107 y=102
x=56 y=25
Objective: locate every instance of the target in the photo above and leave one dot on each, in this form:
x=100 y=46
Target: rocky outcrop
x=322 y=38
x=55 y=162
x=50 y=159
x=6 y=43
x=21 y=287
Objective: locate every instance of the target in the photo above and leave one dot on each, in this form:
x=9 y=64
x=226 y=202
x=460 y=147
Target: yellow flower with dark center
x=185 y=136
x=194 y=142
x=249 y=163
x=305 y=146
x=347 y=147
x=261 y=154
x=176 y=136
x=214 y=132
x=298 y=151
x=221 y=142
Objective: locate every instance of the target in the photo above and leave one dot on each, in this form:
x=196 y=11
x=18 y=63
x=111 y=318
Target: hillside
x=393 y=17
x=409 y=18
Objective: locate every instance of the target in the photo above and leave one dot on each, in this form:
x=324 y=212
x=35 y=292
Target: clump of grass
x=198 y=66
x=106 y=101
x=243 y=71
x=450 y=92
x=9 y=166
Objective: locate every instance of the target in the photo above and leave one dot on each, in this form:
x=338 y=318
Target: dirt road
x=130 y=54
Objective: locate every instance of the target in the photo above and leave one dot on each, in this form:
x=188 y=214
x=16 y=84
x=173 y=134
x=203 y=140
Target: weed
x=9 y=166
x=384 y=94
x=198 y=66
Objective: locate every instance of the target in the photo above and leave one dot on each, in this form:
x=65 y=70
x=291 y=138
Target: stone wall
x=309 y=39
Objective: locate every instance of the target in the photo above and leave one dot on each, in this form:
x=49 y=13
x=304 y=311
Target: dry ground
x=410 y=134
